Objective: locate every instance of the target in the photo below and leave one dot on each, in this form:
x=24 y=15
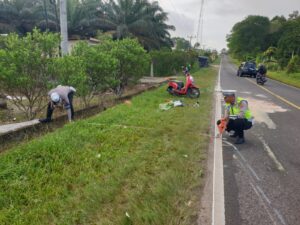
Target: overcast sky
x=220 y=16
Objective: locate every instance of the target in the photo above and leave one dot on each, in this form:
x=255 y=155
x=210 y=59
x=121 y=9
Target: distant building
x=73 y=42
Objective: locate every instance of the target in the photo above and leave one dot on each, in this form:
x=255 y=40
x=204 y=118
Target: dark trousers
x=50 y=109
x=238 y=125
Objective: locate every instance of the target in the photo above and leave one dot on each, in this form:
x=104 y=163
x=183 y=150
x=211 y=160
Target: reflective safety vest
x=234 y=110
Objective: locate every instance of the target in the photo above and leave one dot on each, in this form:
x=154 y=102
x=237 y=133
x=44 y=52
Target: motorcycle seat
x=180 y=84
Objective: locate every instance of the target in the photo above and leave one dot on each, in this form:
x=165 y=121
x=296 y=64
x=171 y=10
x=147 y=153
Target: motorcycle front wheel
x=193 y=92
x=170 y=90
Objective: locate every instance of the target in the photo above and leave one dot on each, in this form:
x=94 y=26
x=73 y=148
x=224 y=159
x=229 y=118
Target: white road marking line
x=245 y=163
x=257 y=189
x=218 y=206
x=264 y=204
x=278 y=214
x=263 y=194
x=271 y=154
x=253 y=172
x=277 y=96
x=246 y=92
x=261 y=96
x=280 y=217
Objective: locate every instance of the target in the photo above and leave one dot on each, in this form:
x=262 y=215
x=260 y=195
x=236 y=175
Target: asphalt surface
x=262 y=176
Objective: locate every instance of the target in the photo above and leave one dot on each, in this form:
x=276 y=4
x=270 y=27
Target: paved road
x=262 y=177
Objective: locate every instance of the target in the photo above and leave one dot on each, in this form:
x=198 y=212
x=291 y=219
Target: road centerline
x=277 y=96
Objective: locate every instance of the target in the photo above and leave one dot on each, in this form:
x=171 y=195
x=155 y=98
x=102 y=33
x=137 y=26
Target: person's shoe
x=47 y=120
x=233 y=135
x=239 y=141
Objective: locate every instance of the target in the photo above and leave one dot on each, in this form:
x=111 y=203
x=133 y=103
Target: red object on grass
x=189 y=89
x=222 y=126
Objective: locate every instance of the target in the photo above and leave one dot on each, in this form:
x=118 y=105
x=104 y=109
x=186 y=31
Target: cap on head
x=227 y=93
x=55 y=97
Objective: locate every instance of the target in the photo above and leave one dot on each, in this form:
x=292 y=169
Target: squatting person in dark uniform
x=60 y=96
x=238 y=115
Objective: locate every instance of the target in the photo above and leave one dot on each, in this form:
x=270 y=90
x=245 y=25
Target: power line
x=190 y=39
x=200 y=24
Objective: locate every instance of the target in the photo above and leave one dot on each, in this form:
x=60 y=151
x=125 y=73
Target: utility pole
x=190 y=39
x=53 y=2
x=200 y=24
x=63 y=27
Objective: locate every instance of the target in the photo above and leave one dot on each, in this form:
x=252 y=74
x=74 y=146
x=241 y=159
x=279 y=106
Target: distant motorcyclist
x=261 y=74
x=262 y=69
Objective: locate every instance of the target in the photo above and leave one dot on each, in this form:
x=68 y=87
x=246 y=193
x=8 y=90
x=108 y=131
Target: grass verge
x=290 y=79
x=133 y=164
x=235 y=61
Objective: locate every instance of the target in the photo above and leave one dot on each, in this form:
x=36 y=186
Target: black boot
x=233 y=135
x=239 y=141
x=46 y=120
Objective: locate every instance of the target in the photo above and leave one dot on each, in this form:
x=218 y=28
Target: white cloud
x=220 y=16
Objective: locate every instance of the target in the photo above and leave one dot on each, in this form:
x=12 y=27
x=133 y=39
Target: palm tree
x=83 y=17
x=23 y=15
x=8 y=17
x=122 y=18
x=137 y=18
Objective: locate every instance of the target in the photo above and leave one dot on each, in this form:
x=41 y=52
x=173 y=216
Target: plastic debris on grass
x=170 y=104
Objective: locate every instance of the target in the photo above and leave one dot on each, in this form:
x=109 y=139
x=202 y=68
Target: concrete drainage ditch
x=27 y=132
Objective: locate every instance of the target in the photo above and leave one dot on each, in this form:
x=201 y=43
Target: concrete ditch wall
x=17 y=133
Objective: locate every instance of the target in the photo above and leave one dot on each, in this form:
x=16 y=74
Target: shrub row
x=30 y=66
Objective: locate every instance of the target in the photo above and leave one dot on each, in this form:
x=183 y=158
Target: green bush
x=24 y=69
x=167 y=62
x=294 y=65
x=30 y=65
x=70 y=70
x=132 y=61
x=99 y=68
x=273 y=66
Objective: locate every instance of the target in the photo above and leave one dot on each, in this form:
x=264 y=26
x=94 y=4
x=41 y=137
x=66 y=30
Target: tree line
x=275 y=41
x=141 y=19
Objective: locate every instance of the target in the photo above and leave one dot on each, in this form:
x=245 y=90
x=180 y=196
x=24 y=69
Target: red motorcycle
x=189 y=89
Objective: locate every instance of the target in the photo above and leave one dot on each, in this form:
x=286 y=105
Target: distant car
x=247 y=68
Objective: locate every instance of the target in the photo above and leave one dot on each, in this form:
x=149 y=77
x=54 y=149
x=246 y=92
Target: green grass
x=217 y=61
x=291 y=79
x=131 y=158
